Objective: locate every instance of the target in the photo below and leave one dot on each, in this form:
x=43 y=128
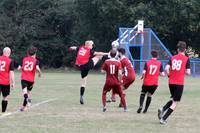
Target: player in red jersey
x=152 y=69
x=6 y=75
x=29 y=66
x=128 y=72
x=86 y=59
x=113 y=69
x=176 y=68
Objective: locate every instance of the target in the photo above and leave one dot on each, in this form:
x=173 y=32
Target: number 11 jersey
x=29 y=68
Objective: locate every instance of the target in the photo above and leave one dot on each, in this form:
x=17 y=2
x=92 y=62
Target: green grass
x=66 y=115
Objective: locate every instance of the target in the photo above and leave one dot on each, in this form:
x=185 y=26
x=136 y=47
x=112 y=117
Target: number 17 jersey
x=29 y=68
x=153 y=67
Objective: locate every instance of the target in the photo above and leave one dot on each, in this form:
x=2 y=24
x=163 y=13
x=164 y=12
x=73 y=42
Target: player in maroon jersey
x=128 y=72
x=86 y=59
x=29 y=66
x=113 y=69
x=152 y=69
x=6 y=75
x=176 y=68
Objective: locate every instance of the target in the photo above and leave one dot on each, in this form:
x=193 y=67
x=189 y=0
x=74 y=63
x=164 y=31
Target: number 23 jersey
x=29 y=68
x=178 y=65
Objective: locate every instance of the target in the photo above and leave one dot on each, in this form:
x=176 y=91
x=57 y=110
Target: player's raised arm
x=100 y=53
x=73 y=48
x=39 y=70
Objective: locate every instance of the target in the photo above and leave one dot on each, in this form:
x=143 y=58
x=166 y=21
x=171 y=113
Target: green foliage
x=53 y=25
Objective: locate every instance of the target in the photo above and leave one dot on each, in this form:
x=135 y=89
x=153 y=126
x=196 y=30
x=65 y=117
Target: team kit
x=119 y=72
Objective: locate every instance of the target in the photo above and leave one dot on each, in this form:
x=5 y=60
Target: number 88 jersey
x=29 y=68
x=178 y=65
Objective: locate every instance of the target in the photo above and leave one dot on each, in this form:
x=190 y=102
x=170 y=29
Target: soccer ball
x=115 y=44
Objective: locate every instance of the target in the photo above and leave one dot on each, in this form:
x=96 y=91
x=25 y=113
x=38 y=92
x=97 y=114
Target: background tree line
x=53 y=25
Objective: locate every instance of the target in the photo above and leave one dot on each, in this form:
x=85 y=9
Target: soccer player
x=86 y=59
x=6 y=77
x=176 y=68
x=152 y=69
x=128 y=72
x=29 y=66
x=112 y=68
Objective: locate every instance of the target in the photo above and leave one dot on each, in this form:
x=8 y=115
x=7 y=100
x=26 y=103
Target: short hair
x=154 y=53
x=113 y=53
x=181 y=46
x=31 y=51
x=122 y=51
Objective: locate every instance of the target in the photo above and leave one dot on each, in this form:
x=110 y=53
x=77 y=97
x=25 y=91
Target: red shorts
x=117 y=89
x=126 y=81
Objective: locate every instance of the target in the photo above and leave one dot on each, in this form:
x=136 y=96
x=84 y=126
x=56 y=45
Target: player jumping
x=128 y=72
x=113 y=69
x=175 y=69
x=29 y=66
x=152 y=69
x=86 y=59
x=6 y=75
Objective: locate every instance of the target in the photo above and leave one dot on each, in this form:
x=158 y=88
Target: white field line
x=32 y=106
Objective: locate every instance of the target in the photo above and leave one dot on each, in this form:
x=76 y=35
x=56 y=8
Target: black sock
x=148 y=101
x=29 y=100
x=4 y=105
x=82 y=90
x=142 y=96
x=167 y=114
x=167 y=105
x=25 y=99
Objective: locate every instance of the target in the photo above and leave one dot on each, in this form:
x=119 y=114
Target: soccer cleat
x=22 y=109
x=104 y=109
x=81 y=100
x=163 y=122
x=125 y=109
x=160 y=113
x=145 y=111
x=139 y=110
x=109 y=100
x=5 y=113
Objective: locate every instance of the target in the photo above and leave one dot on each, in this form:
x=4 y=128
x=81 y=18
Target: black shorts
x=150 y=89
x=176 y=91
x=27 y=84
x=5 y=89
x=86 y=68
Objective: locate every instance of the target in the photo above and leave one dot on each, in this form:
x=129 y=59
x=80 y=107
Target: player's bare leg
x=96 y=59
x=148 y=102
x=104 y=99
x=29 y=98
x=142 y=97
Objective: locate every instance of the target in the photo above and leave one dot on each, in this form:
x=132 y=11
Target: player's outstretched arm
x=12 y=78
x=100 y=53
x=39 y=71
x=73 y=48
x=188 y=71
x=19 y=68
x=167 y=68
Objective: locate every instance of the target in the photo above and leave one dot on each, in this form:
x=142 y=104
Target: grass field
x=66 y=115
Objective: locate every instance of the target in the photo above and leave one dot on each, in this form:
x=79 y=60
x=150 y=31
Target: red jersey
x=29 y=68
x=178 y=65
x=153 y=67
x=6 y=65
x=112 y=67
x=83 y=55
x=127 y=66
